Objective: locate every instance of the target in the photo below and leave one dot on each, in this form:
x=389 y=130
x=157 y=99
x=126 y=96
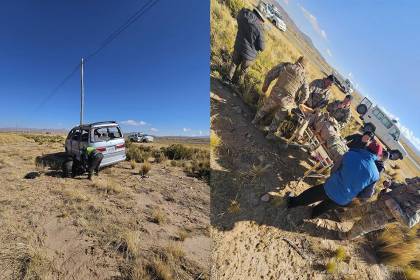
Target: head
x=258 y=14
x=367 y=137
x=375 y=148
x=302 y=61
x=347 y=100
x=385 y=155
x=328 y=81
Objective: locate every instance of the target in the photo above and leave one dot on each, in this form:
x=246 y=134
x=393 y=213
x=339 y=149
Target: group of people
x=358 y=159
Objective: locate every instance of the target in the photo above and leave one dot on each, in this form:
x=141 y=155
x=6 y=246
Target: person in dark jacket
x=359 y=141
x=91 y=160
x=249 y=41
x=356 y=172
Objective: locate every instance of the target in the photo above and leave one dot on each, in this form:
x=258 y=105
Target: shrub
x=138 y=153
x=145 y=168
x=133 y=164
x=199 y=169
x=158 y=155
x=177 y=152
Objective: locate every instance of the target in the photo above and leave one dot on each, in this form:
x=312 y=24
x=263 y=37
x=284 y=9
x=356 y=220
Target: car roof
x=97 y=124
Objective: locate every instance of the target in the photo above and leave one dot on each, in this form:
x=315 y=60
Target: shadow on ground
x=249 y=166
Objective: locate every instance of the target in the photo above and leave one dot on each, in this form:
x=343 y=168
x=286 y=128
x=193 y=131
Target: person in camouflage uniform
x=327 y=129
x=291 y=84
x=319 y=92
x=340 y=110
x=401 y=204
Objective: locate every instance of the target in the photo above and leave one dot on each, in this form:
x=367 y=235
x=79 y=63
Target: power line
x=136 y=16
x=132 y=19
x=55 y=90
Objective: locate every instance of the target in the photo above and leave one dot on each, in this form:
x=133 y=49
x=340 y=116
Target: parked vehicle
x=272 y=14
x=383 y=126
x=106 y=137
x=344 y=85
x=141 y=138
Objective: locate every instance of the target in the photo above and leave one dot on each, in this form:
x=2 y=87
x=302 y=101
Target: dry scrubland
x=253 y=239
x=137 y=220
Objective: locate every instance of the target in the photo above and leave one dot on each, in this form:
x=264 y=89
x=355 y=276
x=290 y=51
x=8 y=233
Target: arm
x=304 y=93
x=272 y=75
x=367 y=192
x=260 y=44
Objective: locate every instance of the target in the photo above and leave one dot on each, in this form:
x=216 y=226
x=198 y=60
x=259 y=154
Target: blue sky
x=154 y=77
x=375 y=44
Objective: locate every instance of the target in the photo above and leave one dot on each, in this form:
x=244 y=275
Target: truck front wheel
x=361 y=109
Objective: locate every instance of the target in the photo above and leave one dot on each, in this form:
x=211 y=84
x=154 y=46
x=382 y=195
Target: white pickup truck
x=383 y=126
x=272 y=14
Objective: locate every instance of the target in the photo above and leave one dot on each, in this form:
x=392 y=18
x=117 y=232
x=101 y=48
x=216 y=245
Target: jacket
x=356 y=172
x=250 y=37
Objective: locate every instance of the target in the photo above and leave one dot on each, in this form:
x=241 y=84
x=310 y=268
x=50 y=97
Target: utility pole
x=82 y=94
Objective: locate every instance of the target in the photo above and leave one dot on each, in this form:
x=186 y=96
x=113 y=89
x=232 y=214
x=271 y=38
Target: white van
x=385 y=128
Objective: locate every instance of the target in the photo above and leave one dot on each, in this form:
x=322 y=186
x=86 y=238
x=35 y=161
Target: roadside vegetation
x=194 y=161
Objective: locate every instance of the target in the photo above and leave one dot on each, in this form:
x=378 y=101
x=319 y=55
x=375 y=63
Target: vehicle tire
x=369 y=127
x=67 y=168
x=395 y=155
x=361 y=109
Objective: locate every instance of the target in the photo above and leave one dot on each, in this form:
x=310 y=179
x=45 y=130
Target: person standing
x=319 y=92
x=249 y=41
x=291 y=80
x=340 y=110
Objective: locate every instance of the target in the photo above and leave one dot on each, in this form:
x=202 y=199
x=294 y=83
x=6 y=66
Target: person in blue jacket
x=356 y=172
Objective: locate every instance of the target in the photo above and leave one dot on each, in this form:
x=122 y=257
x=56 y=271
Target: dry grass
x=215 y=141
x=331 y=267
x=22 y=261
x=340 y=254
x=399 y=247
x=133 y=164
x=158 y=216
x=109 y=187
x=161 y=269
x=182 y=234
x=234 y=207
x=145 y=168
x=75 y=195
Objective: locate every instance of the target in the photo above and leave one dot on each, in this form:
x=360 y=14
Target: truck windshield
x=106 y=133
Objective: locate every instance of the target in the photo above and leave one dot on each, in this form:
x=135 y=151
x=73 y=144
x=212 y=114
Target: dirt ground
x=263 y=240
x=119 y=226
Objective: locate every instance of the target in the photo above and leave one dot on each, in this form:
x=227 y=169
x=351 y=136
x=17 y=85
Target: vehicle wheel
x=361 y=109
x=395 y=155
x=369 y=127
x=67 y=168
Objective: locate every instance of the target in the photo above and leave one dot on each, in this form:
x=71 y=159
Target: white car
x=383 y=126
x=272 y=14
x=105 y=137
x=141 y=138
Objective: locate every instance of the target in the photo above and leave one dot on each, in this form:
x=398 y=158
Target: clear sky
x=375 y=44
x=154 y=77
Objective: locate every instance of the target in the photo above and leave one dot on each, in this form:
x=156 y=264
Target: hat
x=330 y=77
x=259 y=14
x=375 y=148
x=349 y=97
